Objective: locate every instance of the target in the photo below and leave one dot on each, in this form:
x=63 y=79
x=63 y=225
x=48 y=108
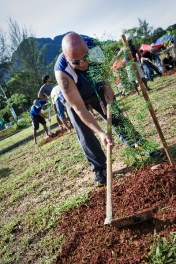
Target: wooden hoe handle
x=109 y=206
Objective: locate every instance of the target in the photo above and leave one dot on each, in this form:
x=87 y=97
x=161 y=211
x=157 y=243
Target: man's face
x=78 y=60
x=48 y=80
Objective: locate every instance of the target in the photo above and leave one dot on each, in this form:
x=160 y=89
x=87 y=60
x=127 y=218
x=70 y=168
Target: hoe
x=128 y=220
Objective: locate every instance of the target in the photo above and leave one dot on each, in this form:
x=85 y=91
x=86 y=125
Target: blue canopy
x=164 y=39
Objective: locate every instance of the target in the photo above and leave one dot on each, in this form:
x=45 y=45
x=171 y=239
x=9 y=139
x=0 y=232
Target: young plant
x=163 y=250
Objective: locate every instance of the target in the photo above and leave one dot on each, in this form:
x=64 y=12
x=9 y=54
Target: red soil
x=88 y=240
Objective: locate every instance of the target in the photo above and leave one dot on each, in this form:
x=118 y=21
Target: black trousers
x=91 y=146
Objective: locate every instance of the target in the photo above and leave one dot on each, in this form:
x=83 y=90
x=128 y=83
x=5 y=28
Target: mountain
x=52 y=46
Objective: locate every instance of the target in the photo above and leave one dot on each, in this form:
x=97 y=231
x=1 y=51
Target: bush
x=23 y=122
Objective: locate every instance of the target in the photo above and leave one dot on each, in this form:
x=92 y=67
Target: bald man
x=78 y=90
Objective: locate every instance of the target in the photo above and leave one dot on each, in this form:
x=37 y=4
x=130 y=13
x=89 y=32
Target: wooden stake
x=152 y=112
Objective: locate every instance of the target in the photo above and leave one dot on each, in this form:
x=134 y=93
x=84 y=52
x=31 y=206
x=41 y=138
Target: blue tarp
x=164 y=39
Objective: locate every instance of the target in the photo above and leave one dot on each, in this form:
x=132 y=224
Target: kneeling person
x=38 y=118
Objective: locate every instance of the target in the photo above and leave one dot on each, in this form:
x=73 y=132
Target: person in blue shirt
x=38 y=118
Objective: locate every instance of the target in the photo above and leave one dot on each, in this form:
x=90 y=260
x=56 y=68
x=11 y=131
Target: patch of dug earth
x=169 y=73
x=87 y=240
x=54 y=136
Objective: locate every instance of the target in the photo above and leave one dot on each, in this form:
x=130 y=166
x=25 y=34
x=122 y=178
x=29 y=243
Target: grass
x=38 y=183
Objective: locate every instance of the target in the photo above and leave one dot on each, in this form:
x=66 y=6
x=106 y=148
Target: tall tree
x=26 y=54
x=141 y=34
x=144 y=31
x=157 y=33
x=4 y=57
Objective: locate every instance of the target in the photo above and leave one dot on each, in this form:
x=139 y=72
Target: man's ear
x=63 y=55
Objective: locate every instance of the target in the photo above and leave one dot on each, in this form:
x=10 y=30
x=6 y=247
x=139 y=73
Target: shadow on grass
x=4 y=172
x=23 y=141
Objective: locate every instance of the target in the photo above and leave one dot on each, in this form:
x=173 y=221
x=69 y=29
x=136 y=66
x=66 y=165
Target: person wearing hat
x=38 y=118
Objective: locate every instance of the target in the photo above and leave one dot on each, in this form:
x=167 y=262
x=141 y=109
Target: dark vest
x=87 y=85
x=133 y=51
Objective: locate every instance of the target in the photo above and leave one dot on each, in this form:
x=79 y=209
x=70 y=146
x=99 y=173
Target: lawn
x=40 y=183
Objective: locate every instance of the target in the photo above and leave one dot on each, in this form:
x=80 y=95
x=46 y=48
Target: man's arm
x=138 y=52
x=41 y=96
x=108 y=93
x=72 y=96
x=44 y=116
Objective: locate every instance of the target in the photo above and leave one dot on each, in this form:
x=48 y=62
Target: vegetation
x=163 y=250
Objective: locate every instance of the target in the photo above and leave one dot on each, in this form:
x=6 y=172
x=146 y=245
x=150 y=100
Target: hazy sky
x=49 y=18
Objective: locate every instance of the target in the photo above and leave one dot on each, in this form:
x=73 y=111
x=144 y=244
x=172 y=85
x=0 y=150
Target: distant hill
x=53 y=46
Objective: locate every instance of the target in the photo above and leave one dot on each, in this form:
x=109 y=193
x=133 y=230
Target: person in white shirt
x=59 y=108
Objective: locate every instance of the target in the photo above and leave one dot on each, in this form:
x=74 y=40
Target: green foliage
x=17 y=99
x=25 y=121
x=171 y=29
x=144 y=33
x=163 y=250
x=157 y=33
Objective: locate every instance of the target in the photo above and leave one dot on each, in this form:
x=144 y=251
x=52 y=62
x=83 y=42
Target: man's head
x=167 y=55
x=152 y=49
x=129 y=39
x=75 y=51
x=46 y=79
x=37 y=103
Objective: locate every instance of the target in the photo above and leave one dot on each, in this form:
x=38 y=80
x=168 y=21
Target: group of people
x=47 y=91
x=148 y=63
x=151 y=62
x=78 y=92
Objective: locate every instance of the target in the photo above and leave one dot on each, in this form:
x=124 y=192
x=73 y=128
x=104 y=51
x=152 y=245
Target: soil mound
x=88 y=240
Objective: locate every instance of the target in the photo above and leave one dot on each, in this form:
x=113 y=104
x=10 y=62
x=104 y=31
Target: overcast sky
x=95 y=18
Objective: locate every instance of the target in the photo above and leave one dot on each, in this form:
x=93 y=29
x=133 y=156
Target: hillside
x=52 y=213
x=52 y=46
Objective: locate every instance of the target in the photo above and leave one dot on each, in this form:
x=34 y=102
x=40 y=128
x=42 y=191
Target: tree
x=16 y=99
x=157 y=33
x=23 y=83
x=141 y=34
x=144 y=31
x=172 y=29
x=25 y=52
x=4 y=58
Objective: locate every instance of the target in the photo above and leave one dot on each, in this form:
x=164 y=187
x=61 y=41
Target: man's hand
x=108 y=94
x=105 y=139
